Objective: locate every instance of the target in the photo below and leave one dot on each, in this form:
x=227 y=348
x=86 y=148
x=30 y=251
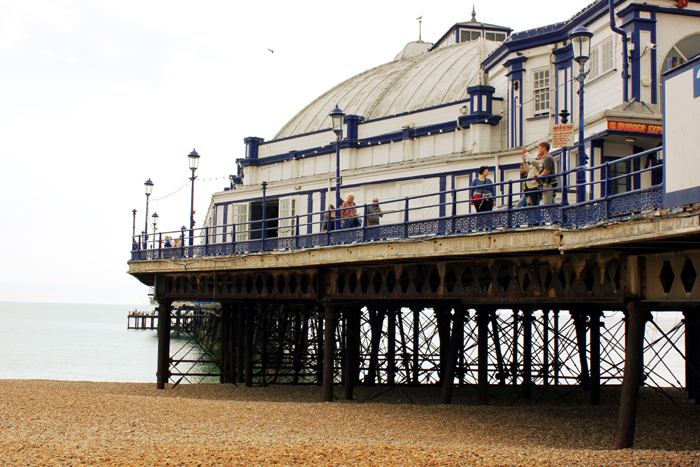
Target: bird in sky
x=271 y=51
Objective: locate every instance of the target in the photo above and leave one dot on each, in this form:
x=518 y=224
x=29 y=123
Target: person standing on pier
x=348 y=213
x=483 y=191
x=534 y=165
x=374 y=212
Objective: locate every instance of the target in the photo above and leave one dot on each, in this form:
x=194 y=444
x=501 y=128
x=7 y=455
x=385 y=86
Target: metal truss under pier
x=541 y=308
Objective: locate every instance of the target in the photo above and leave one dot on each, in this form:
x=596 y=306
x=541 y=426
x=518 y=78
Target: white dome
x=412 y=49
x=426 y=80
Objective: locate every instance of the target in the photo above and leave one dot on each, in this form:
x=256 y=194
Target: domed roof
x=425 y=80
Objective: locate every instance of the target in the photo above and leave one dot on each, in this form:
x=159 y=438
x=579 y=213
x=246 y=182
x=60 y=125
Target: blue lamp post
x=263 y=234
x=337 y=116
x=581 y=42
x=194 y=163
x=149 y=189
x=564 y=115
x=154 y=221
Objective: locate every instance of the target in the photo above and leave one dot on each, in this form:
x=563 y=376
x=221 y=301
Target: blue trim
x=522 y=114
x=681 y=197
x=515 y=73
x=546 y=35
x=483 y=29
x=605 y=133
x=633 y=24
x=682 y=68
x=443 y=197
x=309 y=210
x=252 y=143
x=387 y=138
x=323 y=205
x=540 y=117
x=411 y=112
x=563 y=60
x=476 y=94
x=329 y=130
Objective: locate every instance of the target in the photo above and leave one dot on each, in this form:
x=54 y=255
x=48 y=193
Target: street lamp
x=337 y=119
x=154 y=221
x=581 y=42
x=134 y=243
x=149 y=189
x=194 y=163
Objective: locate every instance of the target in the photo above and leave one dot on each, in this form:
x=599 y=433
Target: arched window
x=683 y=51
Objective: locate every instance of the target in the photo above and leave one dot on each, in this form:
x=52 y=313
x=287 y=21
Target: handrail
x=439 y=213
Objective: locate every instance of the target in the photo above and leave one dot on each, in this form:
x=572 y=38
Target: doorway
x=272 y=209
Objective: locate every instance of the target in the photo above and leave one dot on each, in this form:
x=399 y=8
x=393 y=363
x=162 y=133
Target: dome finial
x=473 y=14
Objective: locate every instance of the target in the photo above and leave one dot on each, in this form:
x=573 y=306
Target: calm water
x=74 y=342
x=77 y=342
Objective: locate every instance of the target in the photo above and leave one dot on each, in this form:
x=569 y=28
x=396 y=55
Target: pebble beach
x=64 y=423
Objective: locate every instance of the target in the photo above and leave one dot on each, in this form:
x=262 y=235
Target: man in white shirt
x=535 y=167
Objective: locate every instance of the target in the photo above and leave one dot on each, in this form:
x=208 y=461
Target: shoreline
x=48 y=422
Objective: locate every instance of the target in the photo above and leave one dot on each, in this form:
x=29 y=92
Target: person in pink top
x=348 y=213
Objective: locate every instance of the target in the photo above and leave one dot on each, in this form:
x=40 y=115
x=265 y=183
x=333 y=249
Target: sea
x=75 y=342
x=80 y=342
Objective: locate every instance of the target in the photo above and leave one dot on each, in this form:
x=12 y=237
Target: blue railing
x=618 y=192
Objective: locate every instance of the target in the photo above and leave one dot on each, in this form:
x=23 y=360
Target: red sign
x=636 y=127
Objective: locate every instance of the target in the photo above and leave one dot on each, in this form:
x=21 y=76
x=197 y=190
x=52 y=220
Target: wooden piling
x=330 y=316
x=637 y=317
x=163 y=374
x=455 y=345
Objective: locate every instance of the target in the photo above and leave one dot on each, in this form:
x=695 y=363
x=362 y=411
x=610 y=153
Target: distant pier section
x=142 y=320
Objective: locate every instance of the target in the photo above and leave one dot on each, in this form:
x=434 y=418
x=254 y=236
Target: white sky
x=98 y=96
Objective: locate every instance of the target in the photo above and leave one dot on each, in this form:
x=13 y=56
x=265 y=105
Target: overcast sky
x=98 y=96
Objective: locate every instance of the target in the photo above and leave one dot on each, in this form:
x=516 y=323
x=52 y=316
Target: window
x=240 y=221
x=541 y=92
x=287 y=212
x=593 y=64
x=607 y=56
x=466 y=35
x=601 y=60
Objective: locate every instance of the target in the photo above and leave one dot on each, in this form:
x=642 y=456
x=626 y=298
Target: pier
x=142 y=320
x=559 y=273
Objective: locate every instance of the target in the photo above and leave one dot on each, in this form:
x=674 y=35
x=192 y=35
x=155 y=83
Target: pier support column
x=319 y=346
x=376 y=322
x=163 y=374
x=500 y=365
x=442 y=317
x=456 y=342
x=482 y=322
x=249 y=334
x=637 y=316
x=391 y=345
x=330 y=318
x=415 y=379
x=227 y=366
x=545 y=347
x=527 y=354
x=240 y=342
x=352 y=350
x=556 y=364
x=691 y=321
x=580 y=326
x=595 y=325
